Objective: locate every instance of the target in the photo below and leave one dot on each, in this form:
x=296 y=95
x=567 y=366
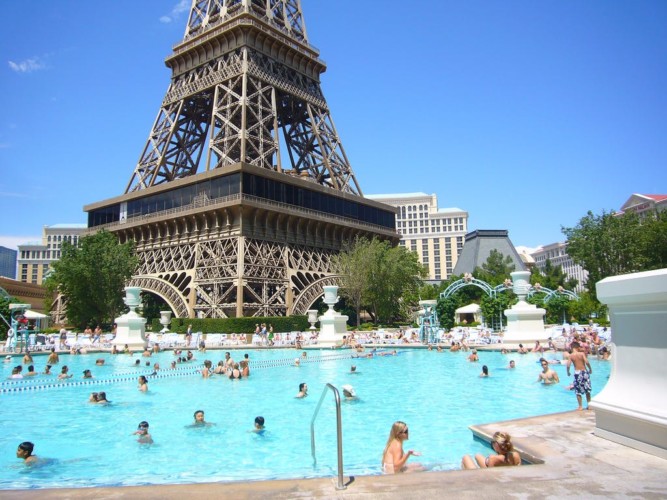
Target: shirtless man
x=53 y=358
x=229 y=361
x=547 y=376
x=582 y=378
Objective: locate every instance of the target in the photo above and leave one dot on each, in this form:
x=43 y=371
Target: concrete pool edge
x=576 y=463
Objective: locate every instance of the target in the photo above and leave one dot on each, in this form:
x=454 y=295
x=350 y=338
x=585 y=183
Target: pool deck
x=577 y=464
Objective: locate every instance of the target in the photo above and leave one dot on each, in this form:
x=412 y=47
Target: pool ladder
x=339 y=432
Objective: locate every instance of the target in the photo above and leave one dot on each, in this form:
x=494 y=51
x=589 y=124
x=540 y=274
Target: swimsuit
x=582 y=382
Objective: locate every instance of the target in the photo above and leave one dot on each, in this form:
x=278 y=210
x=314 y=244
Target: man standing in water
x=547 y=376
x=582 y=378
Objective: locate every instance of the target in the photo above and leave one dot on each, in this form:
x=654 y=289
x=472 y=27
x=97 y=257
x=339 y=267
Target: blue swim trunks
x=582 y=382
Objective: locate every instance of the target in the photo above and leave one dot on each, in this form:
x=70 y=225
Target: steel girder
x=228 y=276
x=284 y=14
x=246 y=88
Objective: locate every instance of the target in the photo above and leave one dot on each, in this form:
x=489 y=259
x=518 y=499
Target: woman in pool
x=143 y=383
x=485 y=371
x=102 y=398
x=394 y=459
x=502 y=445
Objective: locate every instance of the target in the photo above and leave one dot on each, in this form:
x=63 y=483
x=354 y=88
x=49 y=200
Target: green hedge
x=234 y=325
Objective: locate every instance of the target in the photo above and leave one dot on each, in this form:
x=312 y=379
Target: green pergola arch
x=492 y=291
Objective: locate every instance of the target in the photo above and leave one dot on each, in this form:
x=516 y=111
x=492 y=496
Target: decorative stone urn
x=525 y=322
x=131 y=327
x=332 y=324
x=312 y=318
x=165 y=319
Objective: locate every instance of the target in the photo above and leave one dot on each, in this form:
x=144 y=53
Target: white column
x=632 y=408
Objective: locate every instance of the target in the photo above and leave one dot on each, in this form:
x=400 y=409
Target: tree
x=654 y=240
x=493 y=308
x=496 y=269
x=586 y=308
x=353 y=264
x=92 y=276
x=446 y=310
x=611 y=244
x=552 y=277
x=376 y=277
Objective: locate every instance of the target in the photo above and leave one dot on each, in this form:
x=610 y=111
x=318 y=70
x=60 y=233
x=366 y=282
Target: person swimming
x=259 y=425
x=24 y=451
x=200 y=421
x=142 y=432
x=349 y=392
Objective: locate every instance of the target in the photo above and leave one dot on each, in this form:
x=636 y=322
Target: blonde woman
x=393 y=458
x=502 y=445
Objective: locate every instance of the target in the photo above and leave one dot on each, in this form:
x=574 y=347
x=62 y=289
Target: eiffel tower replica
x=243 y=192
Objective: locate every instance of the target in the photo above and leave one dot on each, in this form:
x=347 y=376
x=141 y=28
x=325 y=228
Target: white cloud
x=27 y=66
x=10 y=194
x=176 y=11
x=13 y=241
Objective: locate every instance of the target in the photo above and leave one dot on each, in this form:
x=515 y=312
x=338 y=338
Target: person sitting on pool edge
x=24 y=451
x=505 y=454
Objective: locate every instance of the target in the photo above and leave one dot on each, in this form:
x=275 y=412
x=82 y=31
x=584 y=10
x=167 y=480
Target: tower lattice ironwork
x=243 y=191
x=245 y=77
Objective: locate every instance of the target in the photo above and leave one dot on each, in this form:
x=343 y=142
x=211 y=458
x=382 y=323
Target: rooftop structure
x=643 y=204
x=478 y=246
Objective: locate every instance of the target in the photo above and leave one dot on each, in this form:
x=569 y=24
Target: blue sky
x=526 y=114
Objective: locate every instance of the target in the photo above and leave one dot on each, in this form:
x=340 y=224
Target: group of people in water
x=394 y=458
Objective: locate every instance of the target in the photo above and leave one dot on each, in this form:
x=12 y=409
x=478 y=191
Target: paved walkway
x=577 y=464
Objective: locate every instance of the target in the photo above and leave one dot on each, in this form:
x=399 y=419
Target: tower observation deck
x=243 y=191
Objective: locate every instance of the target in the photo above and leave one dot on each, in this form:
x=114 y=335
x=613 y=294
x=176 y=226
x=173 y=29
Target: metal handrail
x=339 y=432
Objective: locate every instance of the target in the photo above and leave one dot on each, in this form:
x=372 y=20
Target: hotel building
x=435 y=234
x=35 y=258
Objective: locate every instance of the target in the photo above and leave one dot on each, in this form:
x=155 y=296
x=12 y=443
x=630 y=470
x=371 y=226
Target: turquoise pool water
x=438 y=394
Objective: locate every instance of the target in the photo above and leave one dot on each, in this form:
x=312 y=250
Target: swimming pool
x=438 y=394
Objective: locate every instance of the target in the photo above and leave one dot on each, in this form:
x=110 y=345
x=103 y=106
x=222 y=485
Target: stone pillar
x=632 y=408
